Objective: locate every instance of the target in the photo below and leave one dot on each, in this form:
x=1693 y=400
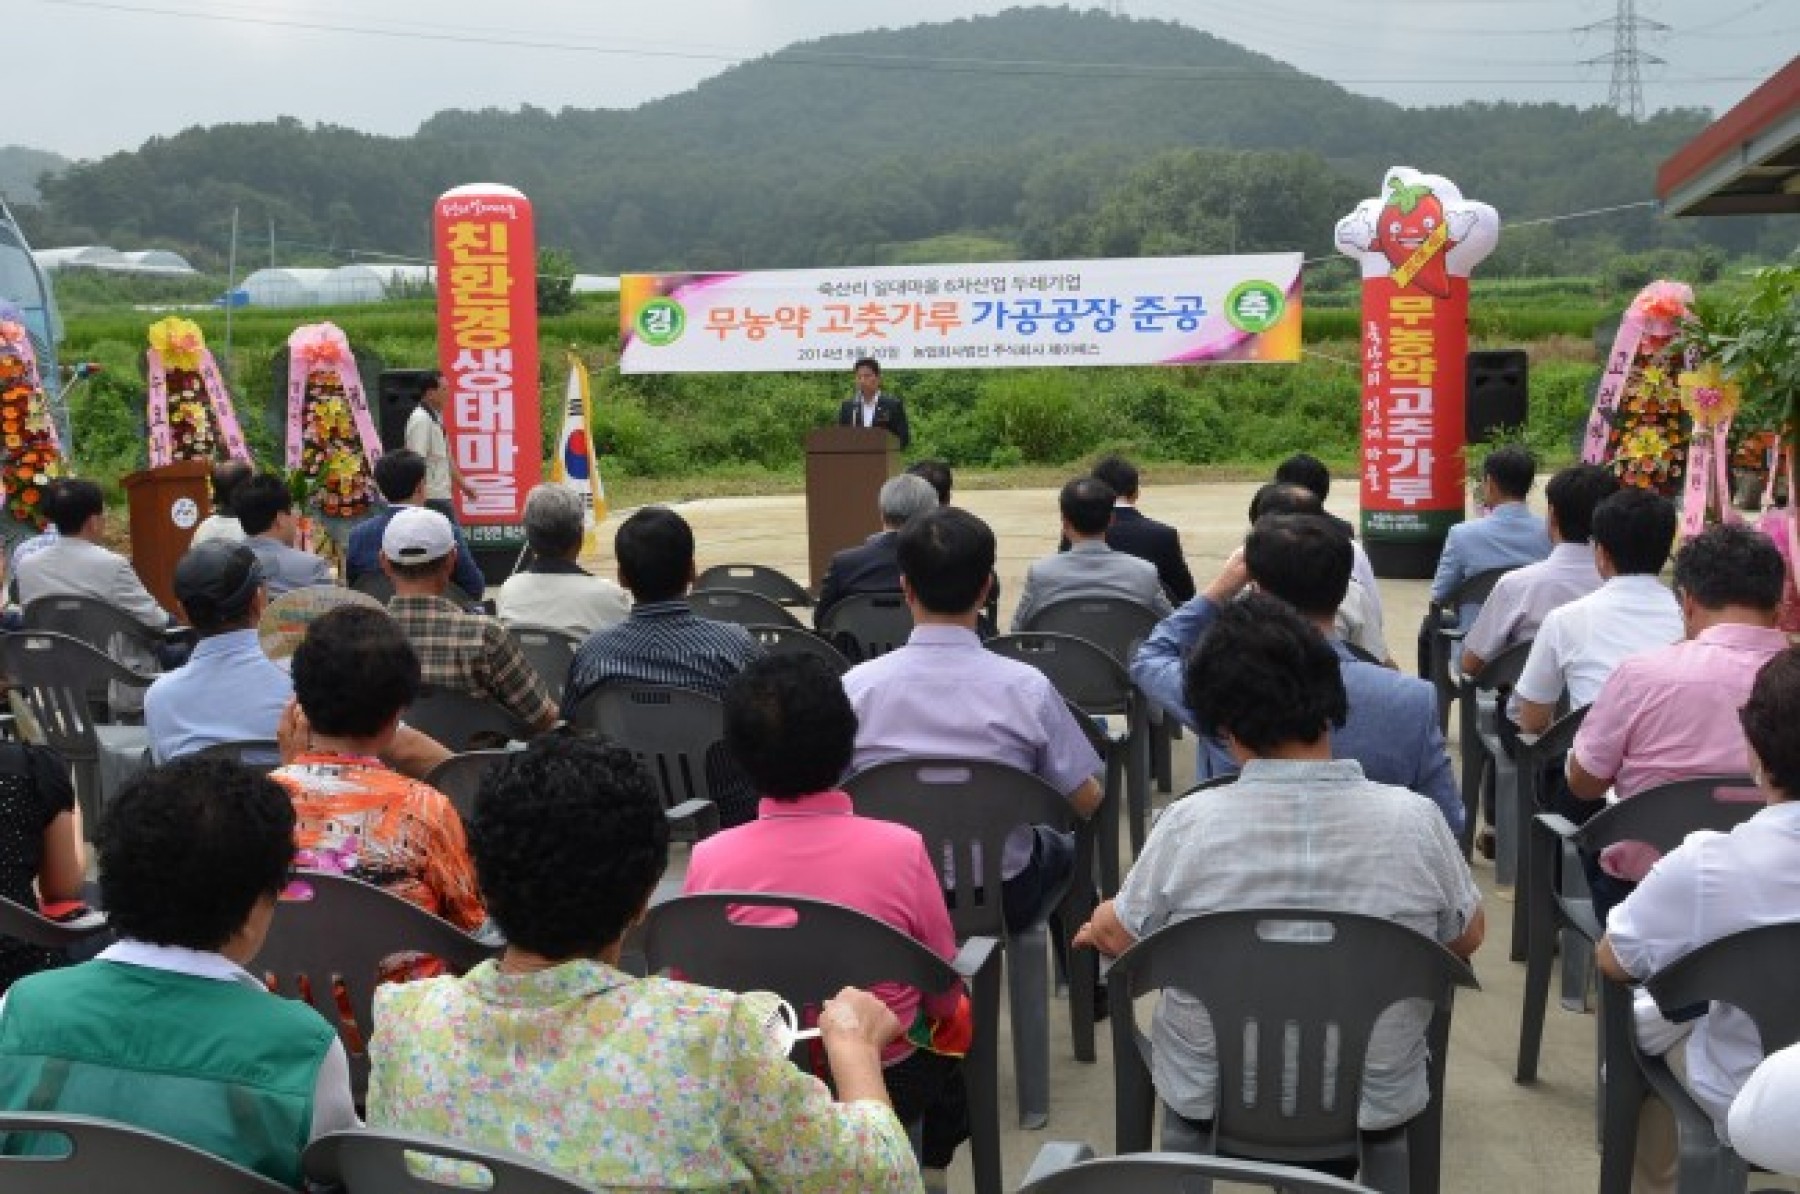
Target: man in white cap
x=458 y=651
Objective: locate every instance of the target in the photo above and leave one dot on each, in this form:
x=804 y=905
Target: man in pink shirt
x=1672 y=713
x=792 y=731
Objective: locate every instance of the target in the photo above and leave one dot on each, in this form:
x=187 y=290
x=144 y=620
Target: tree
x=555 y=282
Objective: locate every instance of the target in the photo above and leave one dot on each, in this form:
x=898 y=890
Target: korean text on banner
x=487 y=341
x=1150 y=311
x=1417 y=243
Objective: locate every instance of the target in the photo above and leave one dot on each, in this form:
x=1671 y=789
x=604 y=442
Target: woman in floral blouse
x=624 y=1083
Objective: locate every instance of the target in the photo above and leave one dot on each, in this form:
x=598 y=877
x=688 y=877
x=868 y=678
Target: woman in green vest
x=166 y=1030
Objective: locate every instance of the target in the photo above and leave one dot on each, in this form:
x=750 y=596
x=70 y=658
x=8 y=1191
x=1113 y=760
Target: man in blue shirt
x=1509 y=537
x=400 y=476
x=229 y=691
x=1392 y=725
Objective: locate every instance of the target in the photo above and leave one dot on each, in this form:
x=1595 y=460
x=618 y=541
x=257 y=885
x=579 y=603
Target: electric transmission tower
x=1627 y=59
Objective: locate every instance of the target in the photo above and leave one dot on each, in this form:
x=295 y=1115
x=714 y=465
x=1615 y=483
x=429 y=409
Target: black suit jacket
x=873 y=567
x=1147 y=539
x=890 y=413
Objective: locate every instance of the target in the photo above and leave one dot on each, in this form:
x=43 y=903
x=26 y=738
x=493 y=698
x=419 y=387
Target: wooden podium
x=166 y=503
x=845 y=469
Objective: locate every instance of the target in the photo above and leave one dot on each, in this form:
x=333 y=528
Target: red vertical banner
x=1416 y=244
x=488 y=351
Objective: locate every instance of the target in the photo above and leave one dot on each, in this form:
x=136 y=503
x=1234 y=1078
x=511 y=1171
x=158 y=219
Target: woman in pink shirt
x=790 y=727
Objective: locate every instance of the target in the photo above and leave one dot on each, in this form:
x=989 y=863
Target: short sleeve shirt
x=1580 y=644
x=1299 y=834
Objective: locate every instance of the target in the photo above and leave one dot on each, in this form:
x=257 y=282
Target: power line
x=862 y=61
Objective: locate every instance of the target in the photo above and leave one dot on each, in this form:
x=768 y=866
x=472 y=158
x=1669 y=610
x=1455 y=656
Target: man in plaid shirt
x=458 y=651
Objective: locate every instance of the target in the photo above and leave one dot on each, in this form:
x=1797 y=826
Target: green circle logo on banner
x=661 y=322
x=1255 y=306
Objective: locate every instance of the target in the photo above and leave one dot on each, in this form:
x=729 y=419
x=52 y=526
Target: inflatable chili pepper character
x=1416 y=243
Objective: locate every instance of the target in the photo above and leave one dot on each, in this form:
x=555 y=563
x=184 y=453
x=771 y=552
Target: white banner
x=1145 y=311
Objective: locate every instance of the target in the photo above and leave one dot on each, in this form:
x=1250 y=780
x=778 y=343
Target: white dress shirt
x=1580 y=644
x=1765 y=1117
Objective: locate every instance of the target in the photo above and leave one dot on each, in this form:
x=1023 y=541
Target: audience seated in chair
x=1508 y=537
x=1136 y=534
x=1673 y=713
x=790 y=727
x=1090 y=568
x=1299 y=828
x=554 y=589
x=664 y=642
x=228 y=691
x=1579 y=644
x=938 y=474
x=873 y=566
x=1391 y=728
x=944 y=695
x=40 y=844
x=223 y=523
x=354 y=675
x=183 y=709
x=265 y=510
x=1358 y=617
x=400 y=478
x=459 y=651
x=1522 y=598
x=166 y=1030
x=1711 y=886
x=1309 y=473
x=621 y=1082
x=78 y=564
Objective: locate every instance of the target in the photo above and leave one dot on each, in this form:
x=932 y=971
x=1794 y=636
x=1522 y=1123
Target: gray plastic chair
x=679 y=736
x=1558 y=901
x=1753 y=971
x=1532 y=762
x=1064 y=1167
x=865 y=625
x=105 y=1156
x=1446 y=636
x=755 y=578
x=32 y=927
x=330 y=930
x=98 y=624
x=742 y=607
x=1334 y=983
x=371 y=1161
x=459 y=777
x=1484 y=754
x=1116 y=626
x=462 y=722
x=1097 y=685
x=786 y=640
x=53 y=675
x=261 y=755
x=827 y=948
x=549 y=651
x=965 y=809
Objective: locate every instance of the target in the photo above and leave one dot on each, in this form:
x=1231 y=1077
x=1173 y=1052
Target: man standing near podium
x=871 y=408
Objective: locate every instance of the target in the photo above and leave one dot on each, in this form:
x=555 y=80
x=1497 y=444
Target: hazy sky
x=101 y=75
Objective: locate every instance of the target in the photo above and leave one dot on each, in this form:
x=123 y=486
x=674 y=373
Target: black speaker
x=399 y=393
x=1498 y=393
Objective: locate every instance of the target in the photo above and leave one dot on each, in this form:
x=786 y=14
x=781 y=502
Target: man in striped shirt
x=663 y=641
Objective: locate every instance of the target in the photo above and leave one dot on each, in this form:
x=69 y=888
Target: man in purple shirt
x=1672 y=713
x=944 y=695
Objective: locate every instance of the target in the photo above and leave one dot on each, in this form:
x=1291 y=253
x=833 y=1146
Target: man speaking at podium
x=871 y=408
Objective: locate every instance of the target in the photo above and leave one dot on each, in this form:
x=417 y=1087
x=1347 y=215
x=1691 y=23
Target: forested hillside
x=20 y=169
x=956 y=140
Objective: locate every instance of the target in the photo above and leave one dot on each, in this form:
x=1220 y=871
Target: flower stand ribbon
x=1654 y=316
x=178 y=357
x=331 y=436
x=1710 y=402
